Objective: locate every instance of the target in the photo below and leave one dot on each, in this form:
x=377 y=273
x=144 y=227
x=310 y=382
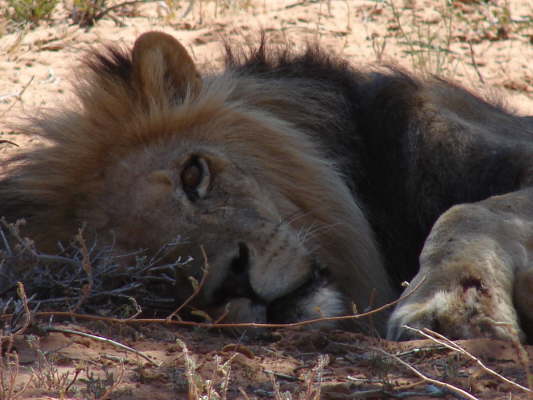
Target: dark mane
x=112 y=62
x=379 y=119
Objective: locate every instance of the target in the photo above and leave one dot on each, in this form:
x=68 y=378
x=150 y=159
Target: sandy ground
x=486 y=46
x=488 y=49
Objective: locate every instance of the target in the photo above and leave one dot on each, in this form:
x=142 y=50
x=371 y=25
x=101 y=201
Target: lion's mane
x=269 y=109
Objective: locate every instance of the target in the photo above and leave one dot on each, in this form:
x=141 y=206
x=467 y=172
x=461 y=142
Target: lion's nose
x=237 y=280
x=240 y=264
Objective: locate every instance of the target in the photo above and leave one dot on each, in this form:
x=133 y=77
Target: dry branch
x=214 y=325
x=435 y=382
x=197 y=289
x=105 y=340
x=444 y=341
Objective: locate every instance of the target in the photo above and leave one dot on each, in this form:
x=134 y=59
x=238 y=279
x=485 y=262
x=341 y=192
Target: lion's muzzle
x=276 y=285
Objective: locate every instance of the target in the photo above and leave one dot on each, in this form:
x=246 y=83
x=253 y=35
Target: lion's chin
x=315 y=299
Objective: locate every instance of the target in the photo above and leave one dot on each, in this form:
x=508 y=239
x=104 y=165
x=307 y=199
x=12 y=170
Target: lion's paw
x=461 y=312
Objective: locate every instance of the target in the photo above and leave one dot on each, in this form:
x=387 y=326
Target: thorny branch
x=80 y=274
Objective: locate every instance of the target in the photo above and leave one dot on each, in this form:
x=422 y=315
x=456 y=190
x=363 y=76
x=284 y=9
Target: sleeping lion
x=312 y=188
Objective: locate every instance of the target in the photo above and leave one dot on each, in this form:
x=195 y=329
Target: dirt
x=343 y=365
x=486 y=46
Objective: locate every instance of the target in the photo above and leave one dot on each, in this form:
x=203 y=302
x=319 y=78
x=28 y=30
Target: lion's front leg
x=470 y=264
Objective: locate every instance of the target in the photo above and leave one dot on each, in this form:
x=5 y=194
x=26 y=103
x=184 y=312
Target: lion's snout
x=262 y=273
x=241 y=279
x=277 y=283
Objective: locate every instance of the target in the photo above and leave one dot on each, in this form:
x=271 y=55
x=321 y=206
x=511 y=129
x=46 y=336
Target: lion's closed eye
x=196 y=178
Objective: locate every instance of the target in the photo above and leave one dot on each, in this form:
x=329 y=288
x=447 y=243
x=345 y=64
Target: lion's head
x=154 y=152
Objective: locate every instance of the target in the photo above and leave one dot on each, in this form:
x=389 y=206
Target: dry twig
x=444 y=341
x=105 y=340
x=9 y=372
x=27 y=315
x=435 y=382
x=474 y=63
x=18 y=96
x=87 y=267
x=197 y=289
x=9 y=142
x=217 y=325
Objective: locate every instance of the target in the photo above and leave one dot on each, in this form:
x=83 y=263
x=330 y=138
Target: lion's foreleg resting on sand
x=475 y=258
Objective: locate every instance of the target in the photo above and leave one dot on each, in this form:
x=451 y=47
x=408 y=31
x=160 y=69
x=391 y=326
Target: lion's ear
x=162 y=67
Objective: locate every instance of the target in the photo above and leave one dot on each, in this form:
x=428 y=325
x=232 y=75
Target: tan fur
x=476 y=264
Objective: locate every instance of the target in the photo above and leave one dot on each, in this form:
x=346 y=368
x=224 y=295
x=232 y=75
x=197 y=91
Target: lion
x=310 y=188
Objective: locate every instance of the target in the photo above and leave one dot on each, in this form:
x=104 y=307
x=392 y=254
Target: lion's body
x=408 y=149
x=309 y=184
